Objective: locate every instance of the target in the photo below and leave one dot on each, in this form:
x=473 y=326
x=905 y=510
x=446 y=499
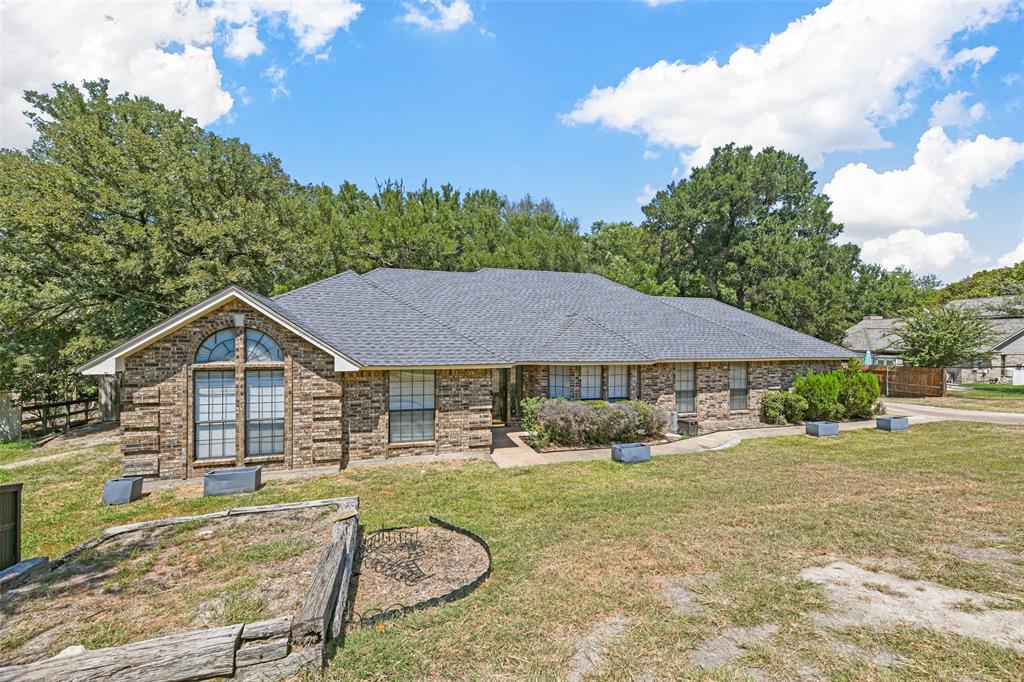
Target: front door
x=499 y=395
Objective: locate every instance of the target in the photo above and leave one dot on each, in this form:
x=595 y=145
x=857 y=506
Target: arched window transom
x=218 y=347
x=261 y=348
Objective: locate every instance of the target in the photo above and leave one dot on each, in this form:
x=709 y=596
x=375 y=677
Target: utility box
x=10 y=524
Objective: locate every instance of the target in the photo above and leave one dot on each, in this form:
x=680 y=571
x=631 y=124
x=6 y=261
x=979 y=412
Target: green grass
x=16 y=451
x=986 y=397
x=995 y=392
x=576 y=543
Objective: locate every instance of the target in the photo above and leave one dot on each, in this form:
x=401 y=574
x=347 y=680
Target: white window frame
x=739 y=387
x=686 y=387
x=618 y=382
x=559 y=381
x=590 y=382
x=411 y=405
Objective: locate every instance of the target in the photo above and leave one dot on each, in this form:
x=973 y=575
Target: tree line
x=123 y=212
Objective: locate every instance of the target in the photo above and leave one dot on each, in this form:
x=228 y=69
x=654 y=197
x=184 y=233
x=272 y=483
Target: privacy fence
x=898 y=381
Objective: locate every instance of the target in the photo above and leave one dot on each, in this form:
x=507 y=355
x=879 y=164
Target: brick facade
x=330 y=418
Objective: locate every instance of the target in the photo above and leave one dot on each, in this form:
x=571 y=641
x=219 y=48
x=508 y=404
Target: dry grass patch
x=159 y=581
x=574 y=545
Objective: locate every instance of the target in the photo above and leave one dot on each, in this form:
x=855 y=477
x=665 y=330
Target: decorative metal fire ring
x=405 y=538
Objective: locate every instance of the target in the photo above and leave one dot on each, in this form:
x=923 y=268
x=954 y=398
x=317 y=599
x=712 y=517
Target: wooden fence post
x=10 y=417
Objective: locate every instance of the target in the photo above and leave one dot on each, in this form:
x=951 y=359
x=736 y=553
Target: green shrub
x=772 y=408
x=821 y=391
x=794 y=407
x=573 y=422
x=858 y=391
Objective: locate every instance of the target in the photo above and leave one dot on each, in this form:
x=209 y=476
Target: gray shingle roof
x=391 y=317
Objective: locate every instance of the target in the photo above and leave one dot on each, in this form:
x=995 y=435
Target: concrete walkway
x=892 y=407
x=516 y=453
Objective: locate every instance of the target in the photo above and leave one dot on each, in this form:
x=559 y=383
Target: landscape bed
x=264 y=574
x=734 y=558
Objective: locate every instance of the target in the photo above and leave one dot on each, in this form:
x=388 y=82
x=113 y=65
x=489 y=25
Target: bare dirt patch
x=680 y=591
x=860 y=597
x=157 y=581
x=425 y=563
x=592 y=648
x=730 y=645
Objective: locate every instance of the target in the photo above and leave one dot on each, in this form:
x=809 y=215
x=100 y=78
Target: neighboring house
x=877 y=340
x=406 y=362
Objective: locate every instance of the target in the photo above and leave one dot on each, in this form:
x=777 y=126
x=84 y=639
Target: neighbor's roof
x=875 y=334
x=390 y=317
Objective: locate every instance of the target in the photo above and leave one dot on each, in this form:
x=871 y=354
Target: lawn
x=590 y=547
x=989 y=397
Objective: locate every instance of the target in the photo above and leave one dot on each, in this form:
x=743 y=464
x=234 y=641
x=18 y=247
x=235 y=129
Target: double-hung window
x=559 y=381
x=264 y=412
x=738 y=386
x=590 y=382
x=215 y=414
x=411 y=405
x=618 y=382
x=217 y=400
x=686 y=388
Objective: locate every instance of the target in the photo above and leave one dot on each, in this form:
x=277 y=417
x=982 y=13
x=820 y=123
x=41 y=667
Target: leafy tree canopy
x=944 y=336
x=1008 y=281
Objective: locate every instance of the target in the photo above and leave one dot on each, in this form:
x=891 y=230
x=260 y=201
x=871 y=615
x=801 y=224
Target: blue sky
x=498 y=95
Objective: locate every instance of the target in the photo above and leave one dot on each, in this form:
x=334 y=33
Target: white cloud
x=162 y=49
x=950 y=111
x=828 y=82
x=934 y=190
x=244 y=42
x=1012 y=257
x=645 y=195
x=435 y=15
x=651 y=154
x=945 y=253
x=275 y=74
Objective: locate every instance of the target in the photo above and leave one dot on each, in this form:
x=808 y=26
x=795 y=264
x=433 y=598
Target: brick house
x=403 y=362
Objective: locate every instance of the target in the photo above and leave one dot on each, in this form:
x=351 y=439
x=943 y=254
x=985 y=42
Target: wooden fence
x=898 y=381
x=39 y=419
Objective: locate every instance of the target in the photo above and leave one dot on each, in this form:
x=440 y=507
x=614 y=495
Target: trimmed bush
x=821 y=391
x=573 y=422
x=780 y=408
x=773 y=408
x=858 y=391
x=794 y=407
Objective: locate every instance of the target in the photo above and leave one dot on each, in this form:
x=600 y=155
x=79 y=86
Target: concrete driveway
x=894 y=407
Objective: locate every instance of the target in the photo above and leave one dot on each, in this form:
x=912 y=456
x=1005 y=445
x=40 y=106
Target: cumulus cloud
x=651 y=154
x=435 y=15
x=275 y=74
x=163 y=49
x=244 y=42
x=645 y=195
x=944 y=253
x=950 y=111
x=934 y=190
x=1012 y=257
x=828 y=82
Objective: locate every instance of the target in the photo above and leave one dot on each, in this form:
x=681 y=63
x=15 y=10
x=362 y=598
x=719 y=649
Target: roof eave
x=112 y=361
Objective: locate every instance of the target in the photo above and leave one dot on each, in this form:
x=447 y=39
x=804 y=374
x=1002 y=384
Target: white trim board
x=112 y=361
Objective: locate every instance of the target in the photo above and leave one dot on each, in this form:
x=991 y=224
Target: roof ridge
x=725 y=326
x=616 y=334
x=319 y=281
x=448 y=325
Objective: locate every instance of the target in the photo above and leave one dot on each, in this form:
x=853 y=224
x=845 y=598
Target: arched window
x=217 y=400
x=261 y=348
x=218 y=347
